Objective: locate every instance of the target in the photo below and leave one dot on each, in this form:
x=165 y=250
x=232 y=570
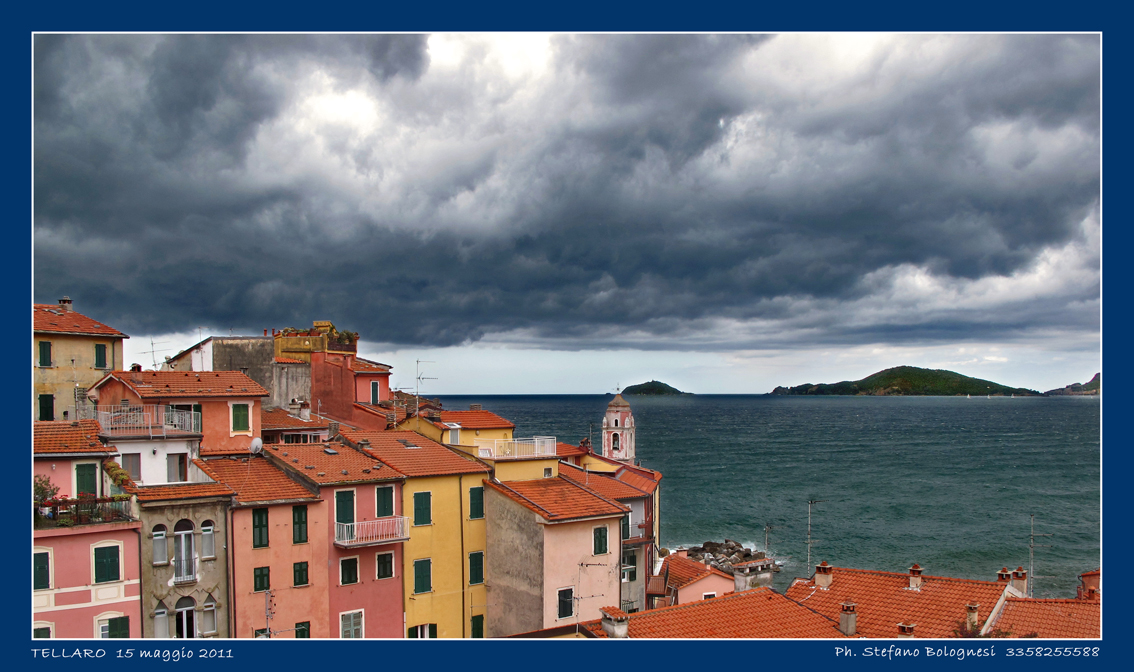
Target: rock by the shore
x=723 y=556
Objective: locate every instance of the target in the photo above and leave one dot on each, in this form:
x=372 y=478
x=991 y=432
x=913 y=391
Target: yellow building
x=443 y=560
x=70 y=352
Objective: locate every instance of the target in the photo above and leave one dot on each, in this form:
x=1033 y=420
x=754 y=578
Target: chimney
x=65 y=304
x=848 y=619
x=915 y=577
x=615 y=623
x=136 y=368
x=1020 y=580
x=585 y=444
x=740 y=578
x=293 y=407
x=265 y=332
x=823 y=575
x=305 y=410
x=971 y=615
x=1003 y=576
x=905 y=630
x=332 y=428
x=475 y=407
x=364 y=444
x=682 y=553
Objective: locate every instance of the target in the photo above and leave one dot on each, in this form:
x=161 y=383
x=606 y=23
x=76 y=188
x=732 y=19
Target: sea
x=957 y=485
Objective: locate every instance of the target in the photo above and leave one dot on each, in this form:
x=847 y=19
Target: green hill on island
x=652 y=387
x=909 y=381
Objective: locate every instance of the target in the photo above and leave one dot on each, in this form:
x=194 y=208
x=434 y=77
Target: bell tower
x=618 y=431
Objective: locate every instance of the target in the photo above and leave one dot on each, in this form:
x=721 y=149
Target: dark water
x=946 y=482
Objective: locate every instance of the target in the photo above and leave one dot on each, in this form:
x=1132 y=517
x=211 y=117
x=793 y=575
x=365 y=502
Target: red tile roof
x=168 y=384
x=361 y=365
x=68 y=437
x=885 y=599
x=476 y=420
x=567 y=450
x=182 y=491
x=48 y=318
x=426 y=458
x=558 y=498
x=314 y=462
x=607 y=486
x=278 y=418
x=760 y=613
x=289 y=360
x=637 y=480
x=1050 y=619
x=681 y=572
x=254 y=479
x=1093 y=572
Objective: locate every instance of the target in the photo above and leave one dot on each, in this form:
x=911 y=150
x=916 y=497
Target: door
x=86 y=479
x=344 y=514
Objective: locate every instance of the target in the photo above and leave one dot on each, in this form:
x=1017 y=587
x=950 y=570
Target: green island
x=909 y=381
x=653 y=387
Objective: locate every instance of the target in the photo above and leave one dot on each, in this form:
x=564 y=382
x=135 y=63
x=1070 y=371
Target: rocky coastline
x=724 y=555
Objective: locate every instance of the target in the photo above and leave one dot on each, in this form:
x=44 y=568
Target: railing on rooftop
x=370 y=532
x=149 y=420
x=72 y=512
x=511 y=449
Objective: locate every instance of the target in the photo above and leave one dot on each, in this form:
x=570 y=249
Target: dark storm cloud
x=651 y=189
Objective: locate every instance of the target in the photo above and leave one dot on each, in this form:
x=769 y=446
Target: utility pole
x=1032 y=546
x=810 y=502
x=767 y=550
x=268 y=612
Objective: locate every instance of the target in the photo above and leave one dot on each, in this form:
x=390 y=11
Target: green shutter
x=422 y=576
x=86 y=479
x=422 y=505
x=411 y=632
x=303 y=630
x=41 y=633
x=240 y=417
x=349 y=570
x=374 y=393
x=625 y=527
x=478 y=626
x=100 y=356
x=45 y=353
x=197 y=418
x=299 y=574
x=433 y=631
x=106 y=564
x=299 y=524
x=600 y=540
x=47 y=407
x=385 y=504
x=119 y=628
x=476 y=567
x=476 y=502
x=41 y=571
x=384 y=565
x=261 y=579
x=259 y=528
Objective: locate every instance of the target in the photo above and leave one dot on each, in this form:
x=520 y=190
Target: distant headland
x=653 y=387
x=910 y=381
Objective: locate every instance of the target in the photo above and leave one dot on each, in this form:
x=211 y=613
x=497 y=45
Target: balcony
x=74 y=512
x=371 y=532
x=152 y=421
x=515 y=449
x=184 y=570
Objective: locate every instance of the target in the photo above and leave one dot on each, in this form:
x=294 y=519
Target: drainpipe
x=230 y=552
x=464 y=554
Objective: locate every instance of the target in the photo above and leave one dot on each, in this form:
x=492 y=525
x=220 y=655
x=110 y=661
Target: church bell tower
x=618 y=431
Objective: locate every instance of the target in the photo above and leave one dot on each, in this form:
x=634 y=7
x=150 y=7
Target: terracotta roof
x=327 y=469
x=760 y=613
x=885 y=599
x=278 y=418
x=254 y=479
x=289 y=360
x=476 y=420
x=182 y=491
x=377 y=410
x=567 y=450
x=426 y=458
x=48 y=318
x=366 y=366
x=607 y=486
x=1093 y=572
x=681 y=572
x=637 y=480
x=68 y=437
x=168 y=384
x=558 y=498
x=1050 y=619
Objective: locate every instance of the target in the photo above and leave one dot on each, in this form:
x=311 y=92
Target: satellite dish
x=256 y=447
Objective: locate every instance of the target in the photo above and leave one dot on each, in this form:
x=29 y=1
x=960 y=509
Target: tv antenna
x=1032 y=546
x=417 y=386
x=810 y=541
x=152 y=352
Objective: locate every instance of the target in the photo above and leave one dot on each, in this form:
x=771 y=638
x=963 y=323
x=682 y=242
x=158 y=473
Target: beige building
x=70 y=352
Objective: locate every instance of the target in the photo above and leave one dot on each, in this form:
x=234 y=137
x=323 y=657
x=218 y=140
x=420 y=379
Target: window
x=478 y=626
x=344 y=515
x=161 y=550
x=261 y=633
x=261 y=579
x=186 y=618
x=374 y=392
x=706 y=596
x=427 y=631
x=476 y=567
x=626 y=526
x=384 y=502
x=348 y=571
x=350 y=625
x=600 y=540
x=161 y=621
x=184 y=564
x=114 y=628
x=41 y=633
x=41 y=571
x=303 y=630
x=299 y=524
x=45 y=353
x=132 y=463
x=208 y=541
x=259 y=528
x=46 y=407
x=299 y=574
x=629 y=567
x=100 y=356
x=422 y=576
x=175 y=466
x=616 y=422
x=422 y=508
x=86 y=479
x=106 y=564
x=209 y=617
x=384 y=566
x=614 y=442
x=476 y=502
x=566 y=602
x=547 y=472
x=454 y=436
x=240 y=418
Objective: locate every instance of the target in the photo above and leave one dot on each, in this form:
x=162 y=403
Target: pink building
x=618 y=431
x=277 y=547
x=85 y=579
x=363 y=535
x=689 y=581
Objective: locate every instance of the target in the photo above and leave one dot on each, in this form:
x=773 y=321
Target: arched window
x=614 y=442
x=184 y=569
x=186 y=619
x=161 y=548
x=616 y=422
x=161 y=621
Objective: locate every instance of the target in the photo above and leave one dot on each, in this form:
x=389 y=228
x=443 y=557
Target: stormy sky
x=566 y=213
